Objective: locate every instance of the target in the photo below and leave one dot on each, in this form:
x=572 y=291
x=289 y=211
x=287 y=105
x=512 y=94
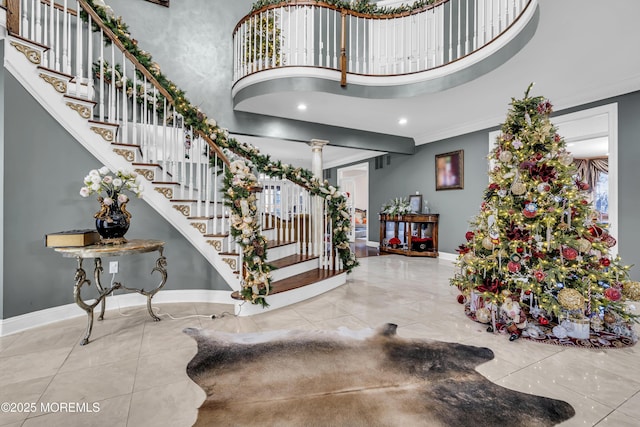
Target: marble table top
x=99 y=250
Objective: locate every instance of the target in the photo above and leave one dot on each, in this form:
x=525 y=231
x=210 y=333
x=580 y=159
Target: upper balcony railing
x=312 y=33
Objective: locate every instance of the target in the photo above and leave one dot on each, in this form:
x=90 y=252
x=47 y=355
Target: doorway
x=354 y=180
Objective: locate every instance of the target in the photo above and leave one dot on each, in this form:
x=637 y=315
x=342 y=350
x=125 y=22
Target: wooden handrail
x=60 y=7
x=214 y=147
x=114 y=39
x=336 y=8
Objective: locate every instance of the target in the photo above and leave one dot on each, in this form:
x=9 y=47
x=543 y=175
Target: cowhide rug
x=354 y=378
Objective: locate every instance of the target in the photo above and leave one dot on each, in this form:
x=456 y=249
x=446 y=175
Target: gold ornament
x=570 y=299
x=583 y=245
x=631 y=290
x=518 y=188
x=565 y=159
x=483 y=315
x=506 y=156
x=486 y=243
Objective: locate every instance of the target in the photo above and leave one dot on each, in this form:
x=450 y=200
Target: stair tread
x=278 y=243
x=19 y=37
x=79 y=98
x=145 y=164
x=298 y=281
x=52 y=71
x=219 y=235
x=292 y=260
x=98 y=122
x=122 y=144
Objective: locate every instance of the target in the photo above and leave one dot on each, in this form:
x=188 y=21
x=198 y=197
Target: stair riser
x=281 y=251
x=285 y=299
x=292 y=270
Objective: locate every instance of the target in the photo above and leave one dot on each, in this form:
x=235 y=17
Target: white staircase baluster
x=45 y=35
x=101 y=82
x=78 y=52
x=65 y=38
x=24 y=26
x=134 y=107
x=153 y=155
x=38 y=26
x=90 y=86
x=124 y=134
x=112 y=87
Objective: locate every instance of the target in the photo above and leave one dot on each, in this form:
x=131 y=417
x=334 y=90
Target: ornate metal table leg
x=97 y=272
x=81 y=279
x=161 y=267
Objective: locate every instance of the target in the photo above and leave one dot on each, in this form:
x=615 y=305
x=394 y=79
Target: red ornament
x=539 y=275
x=469 y=235
x=513 y=267
x=527 y=292
x=543 y=321
x=519 y=250
x=613 y=294
x=569 y=253
x=605 y=262
x=462 y=299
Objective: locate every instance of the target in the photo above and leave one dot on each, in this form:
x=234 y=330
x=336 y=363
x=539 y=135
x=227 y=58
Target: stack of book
x=71 y=238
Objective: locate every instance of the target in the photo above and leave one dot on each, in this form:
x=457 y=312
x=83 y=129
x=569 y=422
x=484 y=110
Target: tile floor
x=133 y=372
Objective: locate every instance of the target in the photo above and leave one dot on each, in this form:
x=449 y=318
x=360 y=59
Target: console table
x=418 y=234
x=96 y=252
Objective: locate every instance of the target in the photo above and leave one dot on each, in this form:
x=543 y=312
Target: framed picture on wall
x=415 y=203
x=450 y=170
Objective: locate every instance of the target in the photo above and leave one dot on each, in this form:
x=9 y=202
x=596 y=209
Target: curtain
x=589 y=170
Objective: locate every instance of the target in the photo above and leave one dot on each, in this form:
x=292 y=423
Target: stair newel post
x=13 y=16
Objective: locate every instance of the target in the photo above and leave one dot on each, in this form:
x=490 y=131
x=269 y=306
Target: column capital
x=317 y=144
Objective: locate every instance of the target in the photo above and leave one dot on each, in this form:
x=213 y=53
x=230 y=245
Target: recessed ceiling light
x=402 y=121
x=302 y=107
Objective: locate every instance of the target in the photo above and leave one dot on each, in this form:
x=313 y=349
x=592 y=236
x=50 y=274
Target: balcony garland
x=359 y=6
x=258 y=286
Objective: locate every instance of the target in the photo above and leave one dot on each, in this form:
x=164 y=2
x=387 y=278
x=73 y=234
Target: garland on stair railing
x=256 y=278
x=359 y=6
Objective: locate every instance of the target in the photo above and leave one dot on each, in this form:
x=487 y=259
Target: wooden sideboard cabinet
x=417 y=233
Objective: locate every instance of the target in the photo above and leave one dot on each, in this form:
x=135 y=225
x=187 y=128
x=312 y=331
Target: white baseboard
x=44 y=317
x=445 y=256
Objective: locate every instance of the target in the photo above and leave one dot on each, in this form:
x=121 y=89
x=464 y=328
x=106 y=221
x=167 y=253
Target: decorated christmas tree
x=536 y=263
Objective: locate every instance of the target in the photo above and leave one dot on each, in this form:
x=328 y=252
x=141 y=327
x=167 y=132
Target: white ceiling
x=582 y=51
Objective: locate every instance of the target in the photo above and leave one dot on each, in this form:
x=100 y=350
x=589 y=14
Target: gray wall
x=408 y=174
x=45 y=167
x=192 y=41
x=2 y=126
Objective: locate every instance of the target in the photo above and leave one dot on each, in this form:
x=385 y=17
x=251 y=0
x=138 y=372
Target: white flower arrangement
x=102 y=181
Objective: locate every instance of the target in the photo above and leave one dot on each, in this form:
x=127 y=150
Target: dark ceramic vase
x=113 y=224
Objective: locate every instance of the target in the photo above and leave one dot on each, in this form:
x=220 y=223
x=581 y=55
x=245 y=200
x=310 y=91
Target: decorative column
x=317 y=217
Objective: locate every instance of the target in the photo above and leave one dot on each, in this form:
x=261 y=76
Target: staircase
x=280 y=243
